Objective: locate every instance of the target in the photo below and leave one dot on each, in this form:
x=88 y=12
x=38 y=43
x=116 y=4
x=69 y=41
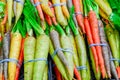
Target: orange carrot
x=118 y=71
x=79 y=17
x=77 y=75
x=53 y=18
x=48 y=19
x=20 y=60
x=90 y=40
x=57 y=73
x=39 y=10
x=95 y=35
x=5 y=18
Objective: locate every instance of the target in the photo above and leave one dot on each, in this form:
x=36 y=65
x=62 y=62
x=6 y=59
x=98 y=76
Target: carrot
x=76 y=73
x=41 y=51
x=65 y=10
x=97 y=74
x=1 y=58
x=48 y=19
x=57 y=61
x=45 y=7
x=95 y=32
x=81 y=6
x=65 y=43
x=20 y=60
x=55 y=40
x=39 y=10
x=53 y=18
x=5 y=17
x=90 y=40
x=6 y=48
x=112 y=66
x=19 y=8
x=113 y=46
x=29 y=50
x=79 y=17
x=57 y=73
x=59 y=14
x=104 y=6
x=15 y=45
x=9 y=4
x=104 y=48
x=102 y=14
x=89 y=37
x=45 y=75
x=81 y=48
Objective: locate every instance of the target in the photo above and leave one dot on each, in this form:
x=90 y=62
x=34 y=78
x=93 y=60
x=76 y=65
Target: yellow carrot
x=59 y=14
x=64 y=9
x=104 y=6
x=15 y=46
x=102 y=13
x=45 y=7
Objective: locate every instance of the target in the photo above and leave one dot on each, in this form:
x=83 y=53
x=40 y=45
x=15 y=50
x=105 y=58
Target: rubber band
x=102 y=44
x=61 y=49
x=78 y=13
x=81 y=67
x=37 y=3
x=35 y=60
x=58 y=4
x=10 y=60
x=19 y=1
x=113 y=59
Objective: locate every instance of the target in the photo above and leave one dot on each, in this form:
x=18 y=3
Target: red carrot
x=39 y=10
x=57 y=73
x=90 y=40
x=77 y=74
x=95 y=35
x=20 y=60
x=79 y=17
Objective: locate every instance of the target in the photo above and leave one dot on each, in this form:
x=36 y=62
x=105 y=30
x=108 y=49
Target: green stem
x=73 y=27
x=60 y=30
x=85 y=9
x=88 y=5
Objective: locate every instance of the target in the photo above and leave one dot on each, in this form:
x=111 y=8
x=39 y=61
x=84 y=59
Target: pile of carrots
x=59 y=39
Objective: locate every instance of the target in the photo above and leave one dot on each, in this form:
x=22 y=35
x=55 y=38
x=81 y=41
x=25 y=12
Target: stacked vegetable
x=70 y=39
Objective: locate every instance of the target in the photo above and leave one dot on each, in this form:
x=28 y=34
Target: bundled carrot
x=104 y=48
x=59 y=14
x=89 y=36
x=95 y=32
x=58 y=62
x=15 y=45
x=20 y=60
x=79 y=15
x=115 y=51
x=71 y=37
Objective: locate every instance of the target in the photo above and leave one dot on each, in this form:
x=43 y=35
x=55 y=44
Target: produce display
x=59 y=39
